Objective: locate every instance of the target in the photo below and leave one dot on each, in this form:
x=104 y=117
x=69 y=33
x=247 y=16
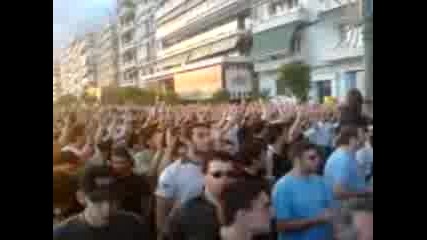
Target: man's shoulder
x=67 y=227
x=130 y=218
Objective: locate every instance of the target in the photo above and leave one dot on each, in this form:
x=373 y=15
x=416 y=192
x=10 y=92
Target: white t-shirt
x=180 y=181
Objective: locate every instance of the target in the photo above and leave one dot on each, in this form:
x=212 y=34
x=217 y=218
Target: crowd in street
x=230 y=171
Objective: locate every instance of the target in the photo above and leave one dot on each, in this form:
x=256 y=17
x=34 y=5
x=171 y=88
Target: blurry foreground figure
x=246 y=210
x=355 y=222
x=201 y=217
x=100 y=218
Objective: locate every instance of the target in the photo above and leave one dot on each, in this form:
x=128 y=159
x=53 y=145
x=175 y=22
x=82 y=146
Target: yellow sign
x=329 y=100
x=94 y=92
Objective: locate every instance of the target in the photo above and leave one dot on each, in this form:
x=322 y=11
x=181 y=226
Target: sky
x=74 y=16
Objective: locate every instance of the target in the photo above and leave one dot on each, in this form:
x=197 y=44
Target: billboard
x=201 y=82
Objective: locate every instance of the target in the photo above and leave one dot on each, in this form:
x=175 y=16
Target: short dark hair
x=345 y=134
x=298 y=148
x=240 y=195
x=99 y=183
x=122 y=152
x=77 y=130
x=216 y=155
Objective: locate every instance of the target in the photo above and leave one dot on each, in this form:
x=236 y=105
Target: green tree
x=221 y=96
x=294 y=77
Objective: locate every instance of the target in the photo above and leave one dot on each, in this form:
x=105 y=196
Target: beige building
x=107 y=56
x=127 y=62
x=56 y=80
x=202 y=47
x=78 y=66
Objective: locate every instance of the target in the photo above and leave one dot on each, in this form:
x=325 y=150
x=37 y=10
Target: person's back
x=341 y=167
x=123 y=226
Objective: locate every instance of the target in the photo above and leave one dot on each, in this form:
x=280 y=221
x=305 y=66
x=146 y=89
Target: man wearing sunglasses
x=301 y=200
x=200 y=217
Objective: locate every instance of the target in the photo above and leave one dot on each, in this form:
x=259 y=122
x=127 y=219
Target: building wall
x=127 y=62
x=78 y=65
x=107 y=56
x=333 y=55
x=195 y=31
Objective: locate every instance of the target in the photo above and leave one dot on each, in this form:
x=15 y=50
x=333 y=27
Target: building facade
x=145 y=38
x=56 y=80
x=78 y=65
x=202 y=46
x=127 y=61
x=321 y=33
x=107 y=56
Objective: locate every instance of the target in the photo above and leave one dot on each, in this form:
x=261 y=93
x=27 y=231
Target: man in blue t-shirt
x=341 y=170
x=302 y=201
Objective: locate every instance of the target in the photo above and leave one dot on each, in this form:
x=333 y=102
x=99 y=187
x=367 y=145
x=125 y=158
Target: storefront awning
x=273 y=40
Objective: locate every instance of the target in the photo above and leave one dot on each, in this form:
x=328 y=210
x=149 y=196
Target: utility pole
x=368 y=36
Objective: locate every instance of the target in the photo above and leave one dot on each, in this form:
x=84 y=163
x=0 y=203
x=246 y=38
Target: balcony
x=204 y=16
x=126 y=27
x=127 y=65
x=343 y=53
x=127 y=46
x=295 y=15
x=330 y=5
x=273 y=65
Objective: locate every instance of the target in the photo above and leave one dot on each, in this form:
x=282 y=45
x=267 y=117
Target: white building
x=78 y=69
x=320 y=33
x=107 y=56
x=202 y=47
x=145 y=37
x=127 y=62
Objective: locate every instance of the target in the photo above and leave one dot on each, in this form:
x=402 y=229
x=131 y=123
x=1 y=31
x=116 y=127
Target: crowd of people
x=231 y=171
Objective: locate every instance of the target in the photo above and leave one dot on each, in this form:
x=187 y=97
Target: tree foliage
x=220 y=96
x=294 y=77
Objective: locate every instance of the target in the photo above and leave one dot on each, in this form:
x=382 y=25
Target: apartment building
x=107 y=56
x=127 y=62
x=325 y=34
x=145 y=38
x=56 y=80
x=78 y=65
x=202 y=46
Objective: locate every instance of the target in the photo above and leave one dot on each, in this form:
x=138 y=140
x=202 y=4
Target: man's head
x=306 y=156
x=219 y=172
x=247 y=204
x=121 y=161
x=105 y=148
x=98 y=192
x=77 y=135
x=201 y=138
x=351 y=137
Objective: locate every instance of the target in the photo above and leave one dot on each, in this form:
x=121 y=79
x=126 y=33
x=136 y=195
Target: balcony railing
x=342 y=53
x=298 y=14
x=126 y=65
x=127 y=26
x=203 y=15
x=126 y=46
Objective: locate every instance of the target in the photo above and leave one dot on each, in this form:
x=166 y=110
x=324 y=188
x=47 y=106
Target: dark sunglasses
x=229 y=174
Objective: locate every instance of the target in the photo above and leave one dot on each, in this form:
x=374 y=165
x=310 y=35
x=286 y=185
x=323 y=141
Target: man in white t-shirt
x=183 y=179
